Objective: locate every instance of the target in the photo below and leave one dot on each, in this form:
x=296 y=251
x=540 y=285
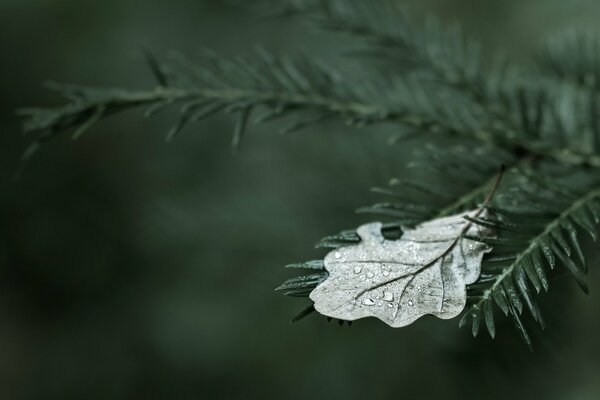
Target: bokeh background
x=133 y=269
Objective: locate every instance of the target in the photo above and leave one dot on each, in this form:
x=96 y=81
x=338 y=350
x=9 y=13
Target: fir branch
x=504 y=114
x=445 y=55
x=301 y=90
x=386 y=25
x=555 y=120
x=91 y=105
x=458 y=178
x=306 y=92
x=473 y=196
x=572 y=55
x=530 y=232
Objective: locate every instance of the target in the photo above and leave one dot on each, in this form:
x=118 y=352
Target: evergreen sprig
x=573 y=55
x=302 y=90
x=441 y=52
x=538 y=224
x=541 y=120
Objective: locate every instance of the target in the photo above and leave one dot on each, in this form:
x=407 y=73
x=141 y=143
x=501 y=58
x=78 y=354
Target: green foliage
x=443 y=53
x=541 y=120
x=300 y=89
x=572 y=55
x=538 y=224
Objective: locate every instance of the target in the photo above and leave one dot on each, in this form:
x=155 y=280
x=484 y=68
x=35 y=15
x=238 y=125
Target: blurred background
x=133 y=269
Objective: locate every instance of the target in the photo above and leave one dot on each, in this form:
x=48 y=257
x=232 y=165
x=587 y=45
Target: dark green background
x=132 y=269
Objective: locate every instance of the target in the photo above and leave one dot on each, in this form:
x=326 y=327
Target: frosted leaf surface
x=426 y=271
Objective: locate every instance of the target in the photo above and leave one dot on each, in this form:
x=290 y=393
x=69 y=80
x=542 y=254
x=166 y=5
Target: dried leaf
x=426 y=271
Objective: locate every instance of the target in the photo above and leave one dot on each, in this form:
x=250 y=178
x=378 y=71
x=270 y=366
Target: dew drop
x=370 y=274
x=337 y=254
x=390 y=305
x=386 y=273
x=410 y=302
x=357 y=270
x=380 y=304
x=388 y=296
x=368 y=302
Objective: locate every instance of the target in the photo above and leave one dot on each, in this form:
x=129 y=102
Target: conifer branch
x=573 y=55
x=547 y=231
x=503 y=114
x=446 y=56
x=470 y=198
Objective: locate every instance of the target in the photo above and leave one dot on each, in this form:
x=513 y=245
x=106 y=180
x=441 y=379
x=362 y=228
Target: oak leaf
x=426 y=271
